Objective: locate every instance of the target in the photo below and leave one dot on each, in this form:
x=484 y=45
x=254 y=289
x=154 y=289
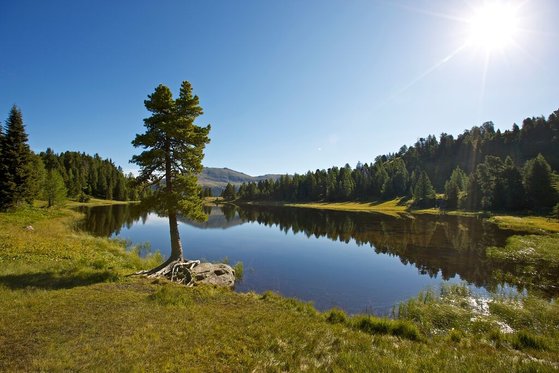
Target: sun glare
x=493 y=26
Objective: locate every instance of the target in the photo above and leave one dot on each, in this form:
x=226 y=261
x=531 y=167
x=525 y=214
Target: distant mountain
x=217 y=178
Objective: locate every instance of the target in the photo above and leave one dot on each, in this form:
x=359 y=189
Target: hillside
x=217 y=178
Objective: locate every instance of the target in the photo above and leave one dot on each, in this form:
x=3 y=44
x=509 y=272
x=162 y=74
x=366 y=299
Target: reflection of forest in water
x=104 y=221
x=449 y=245
x=445 y=245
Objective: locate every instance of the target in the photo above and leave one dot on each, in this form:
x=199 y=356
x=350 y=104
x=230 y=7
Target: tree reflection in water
x=442 y=244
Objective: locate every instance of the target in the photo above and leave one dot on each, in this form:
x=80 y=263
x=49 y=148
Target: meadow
x=68 y=302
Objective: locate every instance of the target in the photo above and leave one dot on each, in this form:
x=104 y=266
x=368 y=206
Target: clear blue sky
x=287 y=86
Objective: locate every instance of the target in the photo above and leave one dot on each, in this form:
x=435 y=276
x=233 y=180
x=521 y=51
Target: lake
x=360 y=262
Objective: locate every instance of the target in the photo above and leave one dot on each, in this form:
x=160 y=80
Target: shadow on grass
x=57 y=280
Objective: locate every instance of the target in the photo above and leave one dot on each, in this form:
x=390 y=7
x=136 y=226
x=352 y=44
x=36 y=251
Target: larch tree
x=423 y=193
x=174 y=149
x=54 y=191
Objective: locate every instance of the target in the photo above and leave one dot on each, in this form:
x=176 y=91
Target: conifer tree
x=423 y=193
x=2 y=167
x=229 y=192
x=453 y=187
x=538 y=183
x=515 y=195
x=37 y=175
x=15 y=187
x=54 y=190
x=174 y=149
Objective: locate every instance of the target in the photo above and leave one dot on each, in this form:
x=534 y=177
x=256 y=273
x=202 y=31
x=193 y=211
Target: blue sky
x=287 y=86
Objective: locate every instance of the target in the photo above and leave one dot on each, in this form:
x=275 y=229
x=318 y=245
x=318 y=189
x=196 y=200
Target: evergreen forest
x=25 y=175
x=480 y=169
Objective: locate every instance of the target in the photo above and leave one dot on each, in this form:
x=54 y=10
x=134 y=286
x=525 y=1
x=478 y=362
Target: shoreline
x=57 y=284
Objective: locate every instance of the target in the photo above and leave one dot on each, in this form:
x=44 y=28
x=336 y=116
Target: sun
x=493 y=26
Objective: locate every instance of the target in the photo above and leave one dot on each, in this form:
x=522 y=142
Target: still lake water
x=360 y=262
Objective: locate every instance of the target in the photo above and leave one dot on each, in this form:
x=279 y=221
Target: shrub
x=336 y=316
x=170 y=295
x=82 y=197
x=399 y=328
x=239 y=270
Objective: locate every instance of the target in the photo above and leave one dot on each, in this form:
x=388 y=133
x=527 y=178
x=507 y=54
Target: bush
x=82 y=197
x=455 y=335
x=336 y=316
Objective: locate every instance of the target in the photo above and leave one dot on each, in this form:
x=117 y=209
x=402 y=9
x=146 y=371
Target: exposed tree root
x=176 y=270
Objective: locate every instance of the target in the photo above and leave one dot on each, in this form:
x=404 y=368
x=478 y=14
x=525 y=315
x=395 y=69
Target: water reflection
x=105 y=221
x=444 y=247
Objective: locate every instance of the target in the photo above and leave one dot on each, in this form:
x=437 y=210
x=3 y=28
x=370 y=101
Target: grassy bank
x=67 y=304
x=394 y=207
x=533 y=224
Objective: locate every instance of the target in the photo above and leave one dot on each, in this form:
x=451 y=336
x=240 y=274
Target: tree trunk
x=176 y=246
x=176 y=258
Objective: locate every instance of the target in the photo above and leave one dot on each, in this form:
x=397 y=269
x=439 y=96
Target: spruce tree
x=15 y=185
x=2 y=167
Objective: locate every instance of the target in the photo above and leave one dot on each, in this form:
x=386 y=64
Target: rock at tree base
x=213 y=274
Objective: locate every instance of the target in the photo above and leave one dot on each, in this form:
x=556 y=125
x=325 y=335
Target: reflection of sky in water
x=329 y=273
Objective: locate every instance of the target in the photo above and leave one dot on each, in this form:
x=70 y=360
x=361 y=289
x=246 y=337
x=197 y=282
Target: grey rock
x=213 y=274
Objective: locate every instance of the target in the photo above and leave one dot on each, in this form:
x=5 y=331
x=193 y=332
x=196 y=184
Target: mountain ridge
x=217 y=178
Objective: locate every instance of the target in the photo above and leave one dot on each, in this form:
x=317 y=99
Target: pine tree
x=229 y=192
x=2 y=168
x=172 y=159
x=15 y=187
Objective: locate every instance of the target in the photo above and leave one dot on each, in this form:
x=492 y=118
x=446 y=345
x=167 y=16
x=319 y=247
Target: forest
x=481 y=169
x=25 y=175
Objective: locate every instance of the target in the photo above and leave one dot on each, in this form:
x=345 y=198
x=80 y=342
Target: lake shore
x=67 y=303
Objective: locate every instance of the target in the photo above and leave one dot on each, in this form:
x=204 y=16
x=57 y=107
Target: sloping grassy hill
x=66 y=303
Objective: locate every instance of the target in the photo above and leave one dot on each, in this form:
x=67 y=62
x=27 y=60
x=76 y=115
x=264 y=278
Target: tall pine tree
x=174 y=149
x=15 y=187
x=2 y=167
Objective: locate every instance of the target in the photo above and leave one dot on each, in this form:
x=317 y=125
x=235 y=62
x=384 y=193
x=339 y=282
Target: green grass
x=528 y=249
x=66 y=303
x=530 y=261
x=394 y=207
x=532 y=224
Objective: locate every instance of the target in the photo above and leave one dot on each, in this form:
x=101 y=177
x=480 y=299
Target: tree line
x=25 y=175
x=480 y=169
